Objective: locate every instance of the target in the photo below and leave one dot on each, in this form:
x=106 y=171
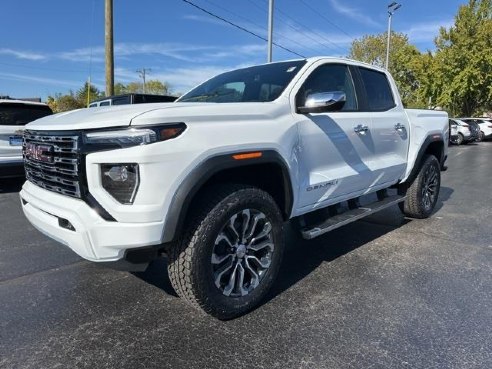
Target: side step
x=350 y=216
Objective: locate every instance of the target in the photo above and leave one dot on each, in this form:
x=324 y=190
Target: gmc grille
x=52 y=162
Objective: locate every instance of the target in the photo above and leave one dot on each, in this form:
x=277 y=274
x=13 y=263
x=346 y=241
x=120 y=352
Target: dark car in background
x=475 y=134
x=132 y=98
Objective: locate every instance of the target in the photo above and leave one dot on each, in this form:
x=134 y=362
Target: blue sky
x=46 y=46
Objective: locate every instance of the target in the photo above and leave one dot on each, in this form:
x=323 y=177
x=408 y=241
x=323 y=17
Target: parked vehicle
x=14 y=115
x=131 y=99
x=453 y=132
x=210 y=179
x=465 y=135
x=474 y=129
x=485 y=126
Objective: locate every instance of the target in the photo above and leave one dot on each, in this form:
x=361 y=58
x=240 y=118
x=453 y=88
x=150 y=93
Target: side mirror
x=323 y=101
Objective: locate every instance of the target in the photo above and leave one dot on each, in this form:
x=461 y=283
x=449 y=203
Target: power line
x=239 y=27
x=306 y=34
x=259 y=26
x=326 y=19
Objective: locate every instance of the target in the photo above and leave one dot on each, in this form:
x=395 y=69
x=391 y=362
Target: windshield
x=255 y=84
x=13 y=114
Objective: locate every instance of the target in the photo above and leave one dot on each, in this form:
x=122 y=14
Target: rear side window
x=378 y=90
x=123 y=100
x=21 y=114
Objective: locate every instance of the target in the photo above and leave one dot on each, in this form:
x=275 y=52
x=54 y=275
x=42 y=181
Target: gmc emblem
x=39 y=152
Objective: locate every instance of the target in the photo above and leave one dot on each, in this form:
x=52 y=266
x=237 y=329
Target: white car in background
x=485 y=126
x=14 y=115
x=464 y=133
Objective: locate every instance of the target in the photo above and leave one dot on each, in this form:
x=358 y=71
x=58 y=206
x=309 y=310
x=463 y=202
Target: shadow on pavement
x=445 y=194
x=9 y=185
x=302 y=257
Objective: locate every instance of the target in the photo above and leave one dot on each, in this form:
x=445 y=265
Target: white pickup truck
x=210 y=179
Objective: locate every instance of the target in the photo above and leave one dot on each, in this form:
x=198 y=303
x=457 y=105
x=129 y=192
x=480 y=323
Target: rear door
x=389 y=127
x=13 y=118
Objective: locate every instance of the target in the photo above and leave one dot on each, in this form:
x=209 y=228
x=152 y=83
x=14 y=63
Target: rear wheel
x=231 y=252
x=460 y=139
x=422 y=194
x=481 y=136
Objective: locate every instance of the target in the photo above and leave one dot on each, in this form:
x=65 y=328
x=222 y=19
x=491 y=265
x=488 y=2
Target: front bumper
x=94 y=238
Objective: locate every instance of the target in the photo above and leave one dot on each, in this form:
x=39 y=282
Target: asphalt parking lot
x=386 y=292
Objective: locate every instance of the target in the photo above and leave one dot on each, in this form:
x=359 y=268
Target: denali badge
x=39 y=152
x=322 y=185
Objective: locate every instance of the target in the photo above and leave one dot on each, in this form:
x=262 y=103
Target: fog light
x=120 y=181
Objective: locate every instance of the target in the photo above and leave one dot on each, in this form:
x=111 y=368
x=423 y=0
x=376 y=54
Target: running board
x=350 y=216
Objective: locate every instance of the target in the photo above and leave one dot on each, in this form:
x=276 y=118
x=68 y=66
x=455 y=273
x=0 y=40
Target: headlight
x=120 y=138
x=120 y=181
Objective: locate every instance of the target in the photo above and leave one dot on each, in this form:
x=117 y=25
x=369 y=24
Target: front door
x=336 y=147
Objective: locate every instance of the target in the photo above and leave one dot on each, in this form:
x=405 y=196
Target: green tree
x=406 y=63
x=463 y=61
x=94 y=93
x=60 y=103
x=152 y=86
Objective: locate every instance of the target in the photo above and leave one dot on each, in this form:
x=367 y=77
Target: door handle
x=399 y=127
x=361 y=129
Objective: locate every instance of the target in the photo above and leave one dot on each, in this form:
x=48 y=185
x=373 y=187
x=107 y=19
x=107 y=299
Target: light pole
x=270 y=30
x=392 y=8
x=143 y=73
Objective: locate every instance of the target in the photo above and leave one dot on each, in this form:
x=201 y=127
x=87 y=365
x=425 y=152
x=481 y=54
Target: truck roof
x=15 y=101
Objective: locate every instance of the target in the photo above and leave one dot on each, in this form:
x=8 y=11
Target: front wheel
x=422 y=194
x=230 y=254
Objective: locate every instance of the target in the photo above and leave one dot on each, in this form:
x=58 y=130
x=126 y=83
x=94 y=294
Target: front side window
x=104 y=103
x=378 y=90
x=329 y=78
x=12 y=114
x=261 y=83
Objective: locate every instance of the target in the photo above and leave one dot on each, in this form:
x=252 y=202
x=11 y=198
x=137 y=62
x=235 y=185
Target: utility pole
x=109 y=48
x=142 y=73
x=392 y=8
x=270 y=30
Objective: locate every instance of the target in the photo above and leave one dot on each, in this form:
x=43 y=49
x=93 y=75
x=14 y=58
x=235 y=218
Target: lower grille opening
x=64 y=223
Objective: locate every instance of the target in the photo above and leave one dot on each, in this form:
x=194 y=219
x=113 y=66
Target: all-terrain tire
x=190 y=259
x=418 y=203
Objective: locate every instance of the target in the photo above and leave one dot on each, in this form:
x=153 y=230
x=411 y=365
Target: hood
x=141 y=114
x=89 y=118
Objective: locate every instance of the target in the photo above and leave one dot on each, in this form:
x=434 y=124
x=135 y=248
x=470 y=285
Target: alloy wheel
x=242 y=253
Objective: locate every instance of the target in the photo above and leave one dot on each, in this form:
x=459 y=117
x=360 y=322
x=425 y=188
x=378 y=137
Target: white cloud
x=180 y=79
x=183 y=52
x=426 y=31
x=203 y=19
x=354 y=13
x=50 y=81
x=28 y=55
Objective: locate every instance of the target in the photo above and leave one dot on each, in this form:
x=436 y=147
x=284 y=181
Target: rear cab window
x=377 y=89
